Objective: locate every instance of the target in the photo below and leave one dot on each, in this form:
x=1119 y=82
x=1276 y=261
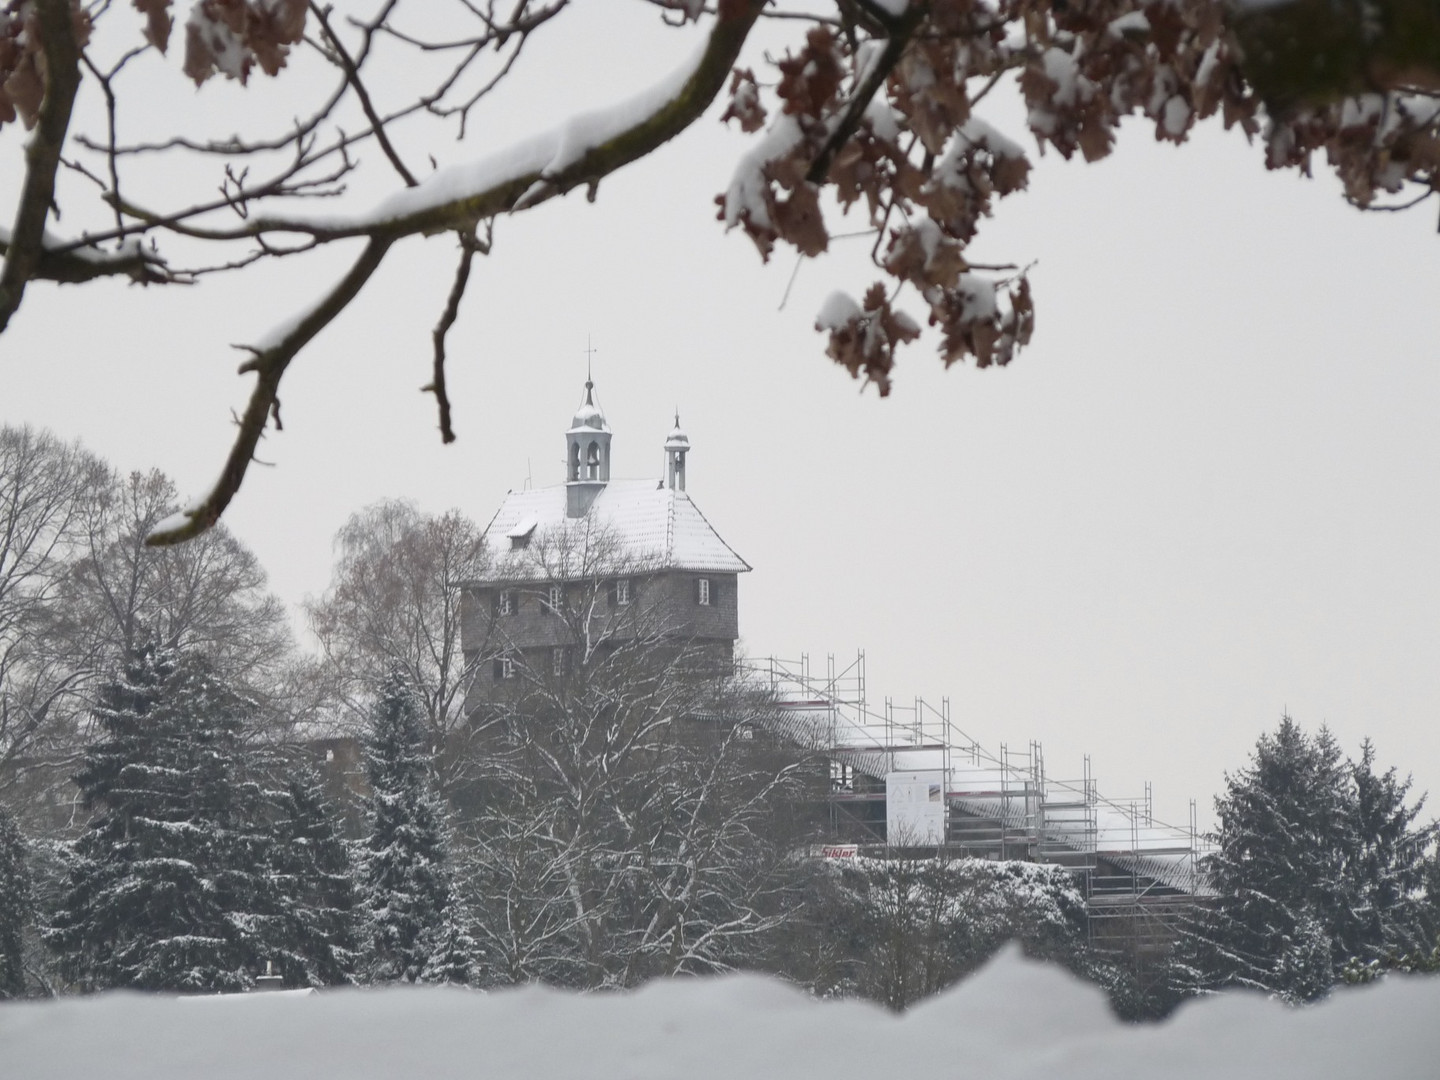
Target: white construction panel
x=915 y=808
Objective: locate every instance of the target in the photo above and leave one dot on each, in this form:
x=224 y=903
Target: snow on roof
x=644 y=525
x=1014 y=1019
x=1072 y=818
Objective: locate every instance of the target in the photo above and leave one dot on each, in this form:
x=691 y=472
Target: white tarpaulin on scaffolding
x=915 y=808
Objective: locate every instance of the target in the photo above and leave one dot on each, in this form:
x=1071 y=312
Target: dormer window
x=521 y=533
x=702 y=591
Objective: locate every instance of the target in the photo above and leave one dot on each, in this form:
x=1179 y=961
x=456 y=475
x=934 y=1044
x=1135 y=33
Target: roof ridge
x=670 y=527
x=715 y=532
x=486 y=531
x=648 y=520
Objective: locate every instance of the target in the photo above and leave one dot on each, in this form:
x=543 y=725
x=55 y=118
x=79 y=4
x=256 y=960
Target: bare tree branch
x=42 y=155
x=269 y=365
x=469 y=245
x=352 y=74
x=76 y=264
x=671 y=118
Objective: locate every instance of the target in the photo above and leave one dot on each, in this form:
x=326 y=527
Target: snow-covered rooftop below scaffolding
x=632 y=526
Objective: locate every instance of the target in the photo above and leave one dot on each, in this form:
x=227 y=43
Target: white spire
x=677 y=445
x=587 y=454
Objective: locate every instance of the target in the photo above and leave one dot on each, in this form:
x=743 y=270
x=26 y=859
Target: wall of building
x=662 y=605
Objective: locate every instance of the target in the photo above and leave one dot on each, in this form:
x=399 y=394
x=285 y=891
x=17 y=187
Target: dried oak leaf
x=866 y=166
x=924 y=256
x=933 y=104
x=233 y=36
x=973 y=322
x=22 y=58
x=863 y=339
x=22 y=86
x=799 y=220
x=810 y=81
x=744 y=103
x=157 y=21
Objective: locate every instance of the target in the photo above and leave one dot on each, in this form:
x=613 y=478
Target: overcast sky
x=1205 y=494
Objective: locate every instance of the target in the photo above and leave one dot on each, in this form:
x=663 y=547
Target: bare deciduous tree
x=44 y=486
x=394 y=605
x=79 y=588
x=871 y=105
x=635 y=818
x=209 y=598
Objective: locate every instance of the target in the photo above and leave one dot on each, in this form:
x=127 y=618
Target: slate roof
x=651 y=526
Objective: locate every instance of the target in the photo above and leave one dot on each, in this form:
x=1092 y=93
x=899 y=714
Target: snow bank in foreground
x=1013 y=1019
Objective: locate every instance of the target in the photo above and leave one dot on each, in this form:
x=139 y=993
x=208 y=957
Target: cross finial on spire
x=590 y=352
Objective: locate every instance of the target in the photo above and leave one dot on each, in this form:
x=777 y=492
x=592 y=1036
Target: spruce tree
x=1319 y=871
x=415 y=919
x=450 y=948
x=313 y=935
x=1278 y=869
x=16 y=906
x=166 y=891
x=1385 y=917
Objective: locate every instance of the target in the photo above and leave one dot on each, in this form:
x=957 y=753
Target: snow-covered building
x=597 y=559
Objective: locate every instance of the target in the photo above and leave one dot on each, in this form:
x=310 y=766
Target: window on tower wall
x=555 y=600
x=557 y=660
x=505 y=602
x=622 y=591
x=504 y=668
x=702 y=591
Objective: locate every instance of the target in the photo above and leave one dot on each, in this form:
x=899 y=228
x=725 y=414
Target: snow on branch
x=269 y=365
x=71 y=262
x=580 y=152
x=583 y=151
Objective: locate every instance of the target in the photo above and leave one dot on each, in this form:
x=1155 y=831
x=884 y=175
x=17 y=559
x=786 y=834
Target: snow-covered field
x=1012 y=1019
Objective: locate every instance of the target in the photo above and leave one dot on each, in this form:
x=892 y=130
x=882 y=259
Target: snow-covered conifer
x=1318 y=869
x=1284 y=828
x=15 y=906
x=451 y=948
x=407 y=889
x=166 y=890
x=313 y=937
x=1384 y=918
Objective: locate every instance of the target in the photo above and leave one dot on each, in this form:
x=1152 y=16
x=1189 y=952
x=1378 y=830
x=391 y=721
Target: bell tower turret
x=587 y=455
x=677 y=445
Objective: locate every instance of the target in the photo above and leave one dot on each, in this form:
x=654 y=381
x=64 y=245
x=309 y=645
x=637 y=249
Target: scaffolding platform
x=1137 y=874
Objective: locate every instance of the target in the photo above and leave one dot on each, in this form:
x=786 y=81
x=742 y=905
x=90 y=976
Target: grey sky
x=1208 y=491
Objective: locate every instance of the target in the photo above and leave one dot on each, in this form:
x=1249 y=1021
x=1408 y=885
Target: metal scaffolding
x=1137 y=874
